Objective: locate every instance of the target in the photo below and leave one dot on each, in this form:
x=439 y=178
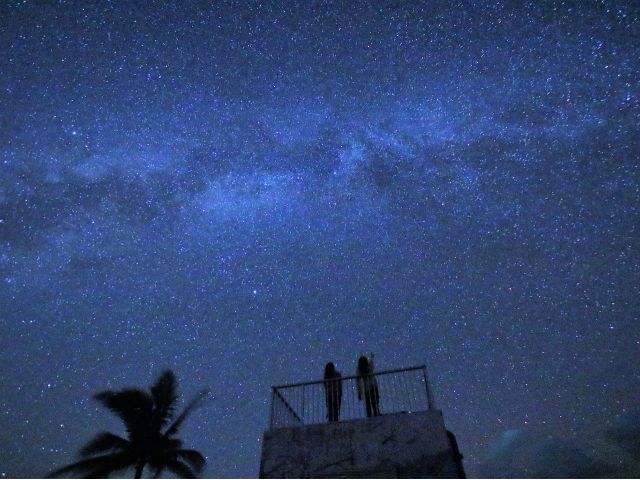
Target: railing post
x=273 y=394
x=302 y=416
x=428 y=387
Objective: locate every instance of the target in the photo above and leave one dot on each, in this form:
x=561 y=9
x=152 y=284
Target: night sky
x=243 y=191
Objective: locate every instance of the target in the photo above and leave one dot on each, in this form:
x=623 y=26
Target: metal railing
x=403 y=390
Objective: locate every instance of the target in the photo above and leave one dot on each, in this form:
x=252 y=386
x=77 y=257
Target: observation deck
x=325 y=429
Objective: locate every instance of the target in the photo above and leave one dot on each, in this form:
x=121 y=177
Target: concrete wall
x=403 y=445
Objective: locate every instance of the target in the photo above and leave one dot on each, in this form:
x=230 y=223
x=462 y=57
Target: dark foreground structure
x=407 y=439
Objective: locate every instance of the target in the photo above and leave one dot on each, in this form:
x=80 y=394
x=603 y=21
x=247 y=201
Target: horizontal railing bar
x=315 y=382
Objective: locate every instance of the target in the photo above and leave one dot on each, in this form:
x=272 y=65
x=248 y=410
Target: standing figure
x=333 y=391
x=368 y=386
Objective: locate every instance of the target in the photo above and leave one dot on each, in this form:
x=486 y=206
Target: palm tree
x=145 y=415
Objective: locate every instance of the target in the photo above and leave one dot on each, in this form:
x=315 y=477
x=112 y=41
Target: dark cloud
x=594 y=454
x=34 y=204
x=626 y=433
x=37 y=199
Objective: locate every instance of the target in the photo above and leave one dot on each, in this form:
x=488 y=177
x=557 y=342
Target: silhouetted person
x=368 y=386
x=333 y=391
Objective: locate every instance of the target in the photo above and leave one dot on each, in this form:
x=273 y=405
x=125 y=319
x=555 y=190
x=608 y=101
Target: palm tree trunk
x=139 y=468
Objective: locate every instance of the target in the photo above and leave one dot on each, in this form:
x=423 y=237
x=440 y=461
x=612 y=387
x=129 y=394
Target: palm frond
x=104 y=442
x=191 y=406
x=163 y=450
x=114 y=467
x=133 y=406
x=192 y=457
x=103 y=463
x=164 y=394
x=180 y=469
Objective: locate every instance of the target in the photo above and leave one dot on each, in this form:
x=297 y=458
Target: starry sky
x=242 y=191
